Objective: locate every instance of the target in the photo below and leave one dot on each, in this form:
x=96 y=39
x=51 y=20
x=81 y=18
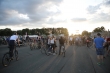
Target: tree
x=19 y=32
x=6 y=32
x=102 y=28
x=1 y=32
x=46 y=31
x=85 y=33
x=99 y=29
x=26 y=30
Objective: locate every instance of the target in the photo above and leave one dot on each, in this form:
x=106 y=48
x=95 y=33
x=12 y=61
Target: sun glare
x=74 y=31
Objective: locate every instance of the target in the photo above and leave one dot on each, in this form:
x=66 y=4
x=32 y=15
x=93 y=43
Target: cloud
x=36 y=11
x=100 y=18
x=99 y=13
x=107 y=2
x=79 y=19
x=93 y=9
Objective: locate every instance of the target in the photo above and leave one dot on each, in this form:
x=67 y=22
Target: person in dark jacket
x=61 y=43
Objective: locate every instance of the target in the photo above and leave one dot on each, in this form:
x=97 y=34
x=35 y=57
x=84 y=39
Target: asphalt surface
x=78 y=59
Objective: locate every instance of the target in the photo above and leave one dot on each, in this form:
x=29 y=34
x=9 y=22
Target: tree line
x=46 y=31
x=37 y=31
x=98 y=29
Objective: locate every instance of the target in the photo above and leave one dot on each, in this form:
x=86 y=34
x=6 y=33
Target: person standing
x=99 y=43
x=52 y=42
x=61 y=43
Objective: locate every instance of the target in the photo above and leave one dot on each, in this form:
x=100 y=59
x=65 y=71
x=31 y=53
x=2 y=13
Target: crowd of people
x=100 y=43
x=80 y=40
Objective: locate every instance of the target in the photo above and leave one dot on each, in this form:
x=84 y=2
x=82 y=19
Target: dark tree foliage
x=45 y=31
x=99 y=29
x=85 y=33
x=6 y=32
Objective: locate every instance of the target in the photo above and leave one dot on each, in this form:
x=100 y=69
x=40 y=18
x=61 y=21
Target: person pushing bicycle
x=61 y=43
x=12 y=44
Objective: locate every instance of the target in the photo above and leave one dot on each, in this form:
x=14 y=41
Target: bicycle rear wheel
x=56 y=50
x=31 y=47
x=90 y=45
x=6 y=59
x=47 y=52
x=16 y=55
x=64 y=53
x=43 y=50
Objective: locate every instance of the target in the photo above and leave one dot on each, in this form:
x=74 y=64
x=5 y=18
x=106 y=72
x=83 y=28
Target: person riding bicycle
x=61 y=43
x=88 y=40
x=12 y=44
x=39 y=43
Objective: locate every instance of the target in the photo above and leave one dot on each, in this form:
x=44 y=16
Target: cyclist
x=33 y=43
x=61 y=43
x=12 y=44
x=39 y=43
x=88 y=40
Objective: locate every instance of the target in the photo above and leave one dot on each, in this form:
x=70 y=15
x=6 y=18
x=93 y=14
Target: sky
x=75 y=15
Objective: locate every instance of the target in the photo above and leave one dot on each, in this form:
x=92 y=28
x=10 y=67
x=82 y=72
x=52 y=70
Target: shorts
x=100 y=51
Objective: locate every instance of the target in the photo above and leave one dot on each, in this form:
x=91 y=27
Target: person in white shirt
x=52 y=42
x=12 y=43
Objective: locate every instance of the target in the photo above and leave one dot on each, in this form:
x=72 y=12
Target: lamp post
x=108 y=33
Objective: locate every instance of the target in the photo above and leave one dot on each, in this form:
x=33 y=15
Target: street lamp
x=108 y=33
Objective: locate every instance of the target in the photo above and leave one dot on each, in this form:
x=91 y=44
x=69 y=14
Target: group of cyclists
x=38 y=41
x=51 y=41
x=79 y=40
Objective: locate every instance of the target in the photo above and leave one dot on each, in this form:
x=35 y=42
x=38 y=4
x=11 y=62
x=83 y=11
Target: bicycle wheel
x=56 y=50
x=6 y=59
x=43 y=50
x=47 y=52
x=39 y=47
x=90 y=44
x=64 y=52
x=16 y=55
x=31 y=47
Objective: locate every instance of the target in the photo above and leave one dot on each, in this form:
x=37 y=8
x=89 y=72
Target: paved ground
x=78 y=60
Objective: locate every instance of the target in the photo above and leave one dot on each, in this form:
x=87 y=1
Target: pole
x=108 y=33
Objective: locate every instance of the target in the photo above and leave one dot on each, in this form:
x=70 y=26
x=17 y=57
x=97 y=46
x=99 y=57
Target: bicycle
x=89 y=44
x=49 y=50
x=46 y=50
x=62 y=51
x=43 y=49
x=6 y=57
x=32 y=46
